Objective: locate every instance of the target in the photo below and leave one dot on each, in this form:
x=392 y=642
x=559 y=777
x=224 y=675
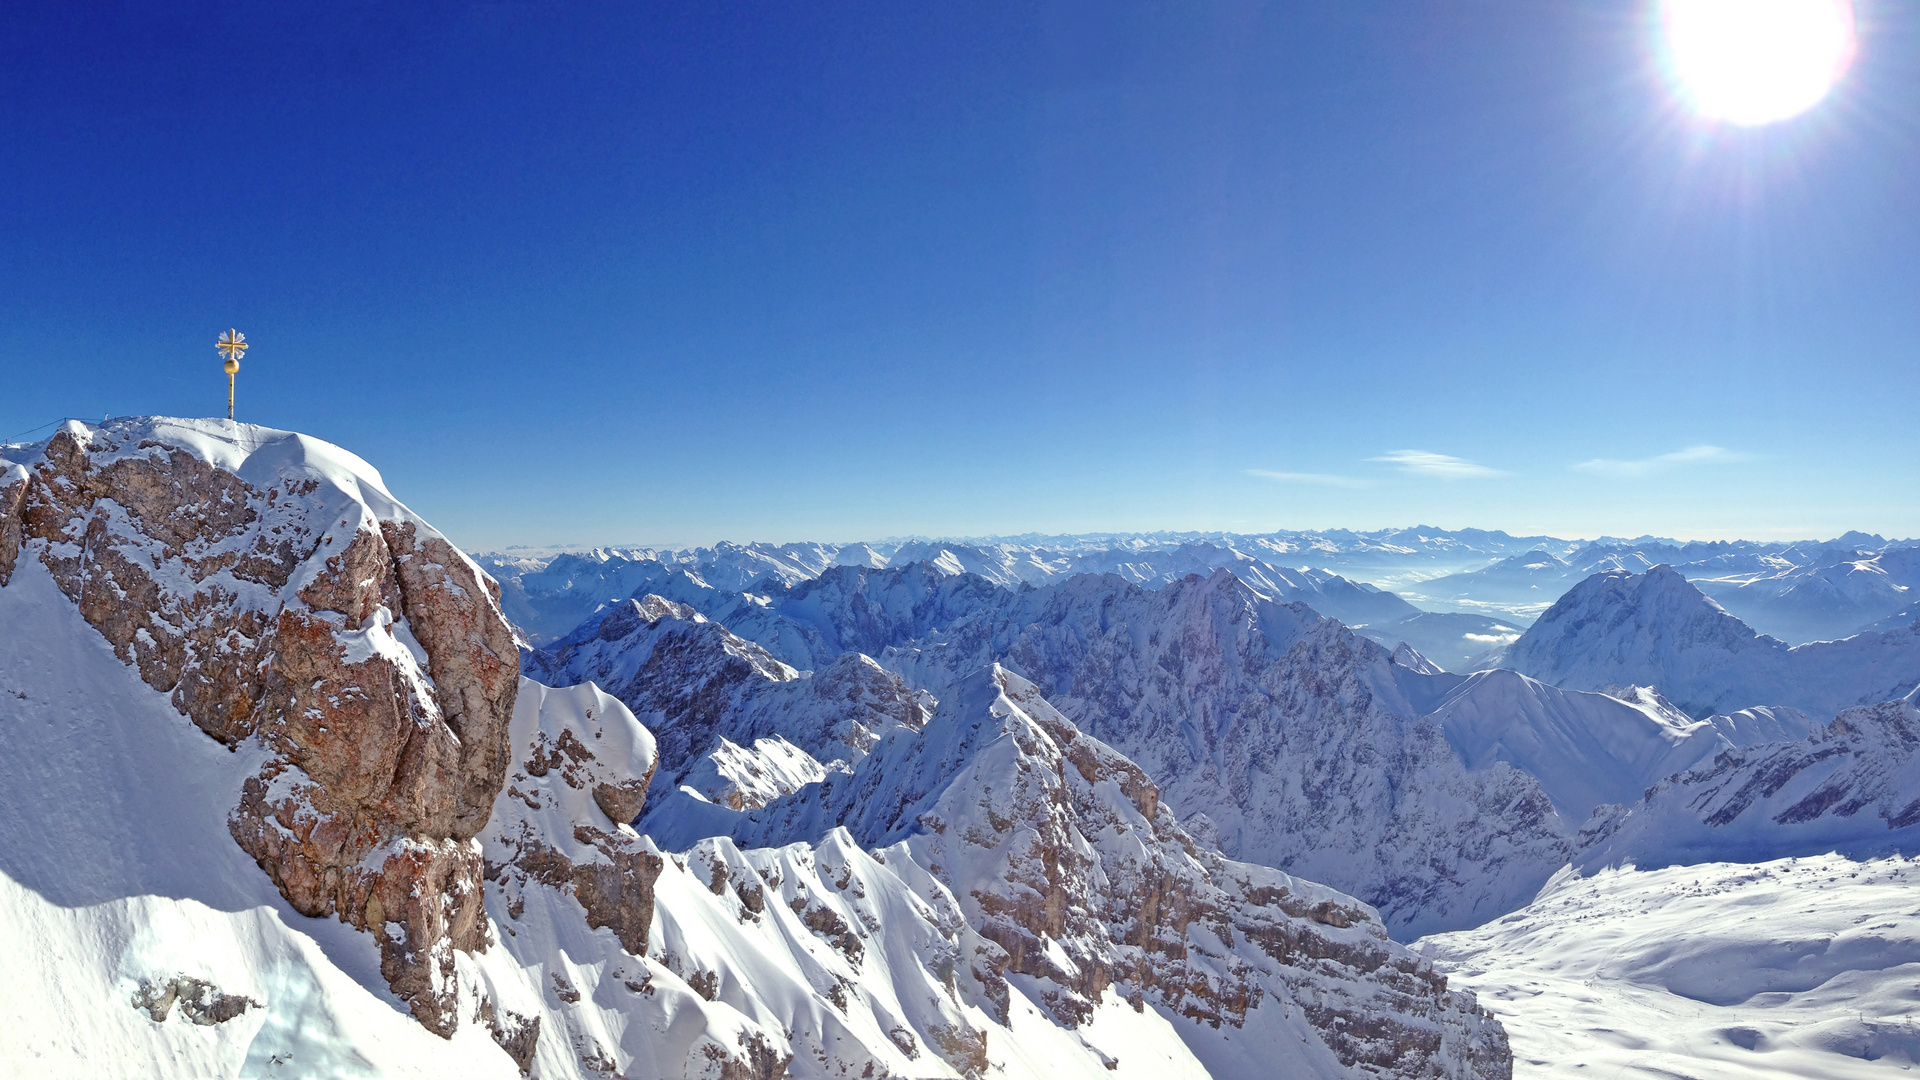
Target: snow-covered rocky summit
x=1656 y=629
x=279 y=595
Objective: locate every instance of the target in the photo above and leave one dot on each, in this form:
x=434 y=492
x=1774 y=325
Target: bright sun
x=1756 y=61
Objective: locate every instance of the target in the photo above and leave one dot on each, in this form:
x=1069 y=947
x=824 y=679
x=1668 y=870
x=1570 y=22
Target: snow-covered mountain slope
x=1899 y=620
x=1656 y=629
x=1852 y=786
x=1063 y=857
x=1590 y=749
x=1288 y=740
x=1354 y=603
x=1456 y=641
x=817 y=959
x=1721 y=971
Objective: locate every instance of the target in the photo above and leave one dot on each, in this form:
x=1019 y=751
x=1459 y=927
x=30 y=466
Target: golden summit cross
x=232 y=345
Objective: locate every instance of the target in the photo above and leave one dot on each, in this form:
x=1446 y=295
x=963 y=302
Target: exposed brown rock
x=756 y=1060
x=963 y=1048
x=518 y=1035
x=12 y=495
x=471 y=656
x=385 y=768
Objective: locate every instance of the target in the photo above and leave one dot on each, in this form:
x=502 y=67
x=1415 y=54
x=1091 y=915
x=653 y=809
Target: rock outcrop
x=581 y=768
x=269 y=585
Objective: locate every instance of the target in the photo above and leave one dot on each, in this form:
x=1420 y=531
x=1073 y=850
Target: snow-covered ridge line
x=1852 y=786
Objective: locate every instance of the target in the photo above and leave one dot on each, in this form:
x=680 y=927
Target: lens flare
x=1754 y=62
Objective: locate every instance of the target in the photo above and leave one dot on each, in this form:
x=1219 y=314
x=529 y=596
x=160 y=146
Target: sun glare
x=1754 y=62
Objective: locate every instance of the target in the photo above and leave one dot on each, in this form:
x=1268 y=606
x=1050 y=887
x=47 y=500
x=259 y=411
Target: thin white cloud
x=1438 y=466
x=1692 y=455
x=1320 y=479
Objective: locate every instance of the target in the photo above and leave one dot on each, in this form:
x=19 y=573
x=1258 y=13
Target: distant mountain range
x=1457 y=597
x=1798 y=592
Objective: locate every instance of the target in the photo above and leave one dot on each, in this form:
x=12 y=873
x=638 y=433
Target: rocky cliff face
x=272 y=588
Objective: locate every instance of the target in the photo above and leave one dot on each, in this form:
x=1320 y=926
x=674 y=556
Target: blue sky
x=677 y=273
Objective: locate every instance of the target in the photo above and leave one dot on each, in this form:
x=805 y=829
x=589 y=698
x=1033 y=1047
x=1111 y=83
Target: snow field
x=1720 y=971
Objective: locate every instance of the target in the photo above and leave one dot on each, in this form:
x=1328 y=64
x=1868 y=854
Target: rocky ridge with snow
x=1086 y=888
x=1851 y=786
